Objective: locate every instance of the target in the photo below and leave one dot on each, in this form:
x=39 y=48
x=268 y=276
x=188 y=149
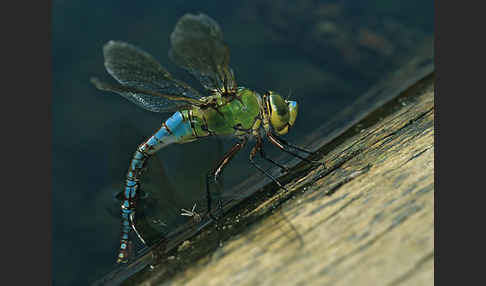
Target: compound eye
x=293 y=110
x=279 y=114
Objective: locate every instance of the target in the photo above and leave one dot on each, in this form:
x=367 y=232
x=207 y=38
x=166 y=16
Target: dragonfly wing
x=143 y=80
x=197 y=46
x=147 y=100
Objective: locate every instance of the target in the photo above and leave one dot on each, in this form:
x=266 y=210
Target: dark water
x=324 y=53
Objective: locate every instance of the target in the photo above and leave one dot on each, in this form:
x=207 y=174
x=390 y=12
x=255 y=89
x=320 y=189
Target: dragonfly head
x=282 y=113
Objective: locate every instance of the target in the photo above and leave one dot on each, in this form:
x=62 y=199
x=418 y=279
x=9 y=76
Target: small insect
x=192 y=213
x=228 y=110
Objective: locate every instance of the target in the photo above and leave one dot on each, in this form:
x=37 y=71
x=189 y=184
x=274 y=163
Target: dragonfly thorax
x=224 y=115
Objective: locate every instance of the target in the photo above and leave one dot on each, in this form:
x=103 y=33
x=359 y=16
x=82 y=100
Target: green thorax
x=231 y=116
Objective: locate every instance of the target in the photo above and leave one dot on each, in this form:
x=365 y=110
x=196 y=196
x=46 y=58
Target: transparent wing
x=197 y=46
x=148 y=100
x=143 y=80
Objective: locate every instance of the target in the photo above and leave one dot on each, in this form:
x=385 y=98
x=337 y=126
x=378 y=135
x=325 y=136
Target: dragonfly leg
x=214 y=174
x=264 y=155
x=285 y=142
x=253 y=152
x=284 y=145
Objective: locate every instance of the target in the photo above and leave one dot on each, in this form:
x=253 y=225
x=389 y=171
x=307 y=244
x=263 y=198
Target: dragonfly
x=226 y=110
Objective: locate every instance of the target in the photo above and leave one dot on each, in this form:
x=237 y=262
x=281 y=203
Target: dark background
x=324 y=53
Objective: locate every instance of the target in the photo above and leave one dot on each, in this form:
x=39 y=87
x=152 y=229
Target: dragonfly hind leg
x=214 y=174
x=211 y=177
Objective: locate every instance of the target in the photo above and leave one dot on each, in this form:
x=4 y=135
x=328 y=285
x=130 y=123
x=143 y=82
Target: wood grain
x=365 y=219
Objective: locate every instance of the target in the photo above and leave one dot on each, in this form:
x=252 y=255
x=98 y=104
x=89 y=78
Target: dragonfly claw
x=192 y=213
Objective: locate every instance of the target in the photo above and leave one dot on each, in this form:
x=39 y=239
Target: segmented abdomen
x=176 y=129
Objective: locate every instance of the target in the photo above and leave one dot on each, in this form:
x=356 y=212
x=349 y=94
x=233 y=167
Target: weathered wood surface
x=366 y=219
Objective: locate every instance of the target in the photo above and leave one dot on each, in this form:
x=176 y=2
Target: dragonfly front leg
x=286 y=143
x=214 y=174
x=283 y=145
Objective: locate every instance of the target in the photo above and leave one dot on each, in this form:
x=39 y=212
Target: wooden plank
x=366 y=219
